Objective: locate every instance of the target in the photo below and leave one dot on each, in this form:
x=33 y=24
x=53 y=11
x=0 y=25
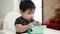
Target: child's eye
x=29 y=13
x=33 y=13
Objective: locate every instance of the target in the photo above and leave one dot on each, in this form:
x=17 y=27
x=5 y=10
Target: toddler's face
x=28 y=14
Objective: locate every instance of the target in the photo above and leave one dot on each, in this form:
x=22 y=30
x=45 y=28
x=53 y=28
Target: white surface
x=9 y=21
x=51 y=31
x=47 y=31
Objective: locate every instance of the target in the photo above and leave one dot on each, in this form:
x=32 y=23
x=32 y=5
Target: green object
x=38 y=33
x=35 y=21
x=29 y=31
x=38 y=29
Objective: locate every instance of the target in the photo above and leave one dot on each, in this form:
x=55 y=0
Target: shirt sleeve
x=18 y=21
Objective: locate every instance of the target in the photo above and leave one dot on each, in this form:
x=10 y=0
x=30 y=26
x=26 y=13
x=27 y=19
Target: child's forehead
x=30 y=10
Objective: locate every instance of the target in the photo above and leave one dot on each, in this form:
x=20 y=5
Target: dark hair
x=26 y=4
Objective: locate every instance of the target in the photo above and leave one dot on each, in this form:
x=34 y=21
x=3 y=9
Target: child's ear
x=20 y=11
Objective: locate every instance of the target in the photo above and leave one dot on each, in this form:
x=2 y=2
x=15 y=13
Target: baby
x=25 y=21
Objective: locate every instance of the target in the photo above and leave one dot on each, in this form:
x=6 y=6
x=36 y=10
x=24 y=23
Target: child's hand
x=30 y=25
x=38 y=23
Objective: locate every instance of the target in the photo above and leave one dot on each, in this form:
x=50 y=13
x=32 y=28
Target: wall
x=6 y=6
x=48 y=8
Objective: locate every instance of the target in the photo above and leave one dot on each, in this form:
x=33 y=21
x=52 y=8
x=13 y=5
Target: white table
x=51 y=31
x=47 y=31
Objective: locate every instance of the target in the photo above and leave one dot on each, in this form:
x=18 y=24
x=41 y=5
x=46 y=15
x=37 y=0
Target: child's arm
x=21 y=28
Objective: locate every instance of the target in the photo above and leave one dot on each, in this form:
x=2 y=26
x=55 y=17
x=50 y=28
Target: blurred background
x=48 y=12
x=6 y=6
x=49 y=7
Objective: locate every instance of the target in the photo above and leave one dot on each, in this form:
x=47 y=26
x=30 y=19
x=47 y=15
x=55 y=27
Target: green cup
x=38 y=29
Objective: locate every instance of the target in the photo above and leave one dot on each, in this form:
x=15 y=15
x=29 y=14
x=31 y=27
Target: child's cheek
x=28 y=16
